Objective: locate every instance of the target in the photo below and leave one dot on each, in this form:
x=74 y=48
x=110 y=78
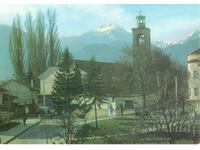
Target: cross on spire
x=140 y=12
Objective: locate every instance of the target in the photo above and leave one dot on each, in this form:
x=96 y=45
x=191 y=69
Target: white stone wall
x=46 y=86
x=193 y=83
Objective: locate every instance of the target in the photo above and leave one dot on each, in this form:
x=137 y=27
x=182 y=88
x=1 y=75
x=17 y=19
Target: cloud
x=106 y=13
x=174 y=28
x=8 y=12
x=87 y=17
x=166 y=21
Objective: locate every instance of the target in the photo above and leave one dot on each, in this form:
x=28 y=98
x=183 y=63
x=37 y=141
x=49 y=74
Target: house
x=193 y=64
x=6 y=103
x=17 y=97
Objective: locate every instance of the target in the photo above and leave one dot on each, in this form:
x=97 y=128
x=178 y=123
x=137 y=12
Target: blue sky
x=167 y=22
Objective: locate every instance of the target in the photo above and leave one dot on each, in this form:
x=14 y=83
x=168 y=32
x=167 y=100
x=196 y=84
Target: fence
x=159 y=126
x=5 y=116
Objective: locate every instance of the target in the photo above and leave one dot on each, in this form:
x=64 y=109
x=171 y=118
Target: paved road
x=38 y=133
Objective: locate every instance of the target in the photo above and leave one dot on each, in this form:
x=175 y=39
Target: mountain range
x=105 y=43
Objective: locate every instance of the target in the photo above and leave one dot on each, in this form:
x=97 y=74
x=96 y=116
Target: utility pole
x=44 y=99
x=176 y=97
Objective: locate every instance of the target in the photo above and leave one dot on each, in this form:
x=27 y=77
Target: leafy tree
x=31 y=45
x=126 y=72
x=166 y=107
x=95 y=87
x=140 y=76
x=53 y=39
x=41 y=42
x=17 y=50
x=142 y=72
x=143 y=68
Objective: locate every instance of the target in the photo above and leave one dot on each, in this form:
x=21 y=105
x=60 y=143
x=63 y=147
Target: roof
x=48 y=72
x=83 y=65
x=194 y=52
x=104 y=66
x=3 y=90
x=21 y=92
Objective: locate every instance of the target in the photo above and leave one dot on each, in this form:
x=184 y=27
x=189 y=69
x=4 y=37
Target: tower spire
x=140 y=20
x=140 y=12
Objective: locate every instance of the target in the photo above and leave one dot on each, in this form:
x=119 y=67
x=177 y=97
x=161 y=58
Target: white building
x=46 y=85
x=193 y=61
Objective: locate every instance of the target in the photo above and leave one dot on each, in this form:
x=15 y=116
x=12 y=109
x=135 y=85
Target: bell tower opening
x=140 y=40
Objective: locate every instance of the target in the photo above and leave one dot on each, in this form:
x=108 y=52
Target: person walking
x=24 y=119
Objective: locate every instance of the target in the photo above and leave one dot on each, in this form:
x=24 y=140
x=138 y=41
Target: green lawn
x=119 y=123
x=102 y=113
x=120 y=130
x=123 y=131
x=116 y=130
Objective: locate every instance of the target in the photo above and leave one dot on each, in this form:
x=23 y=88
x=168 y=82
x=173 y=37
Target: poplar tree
x=53 y=39
x=31 y=46
x=41 y=42
x=17 y=51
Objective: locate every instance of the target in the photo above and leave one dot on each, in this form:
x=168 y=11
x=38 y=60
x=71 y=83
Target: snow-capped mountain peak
x=106 y=28
x=192 y=36
x=106 y=33
x=164 y=44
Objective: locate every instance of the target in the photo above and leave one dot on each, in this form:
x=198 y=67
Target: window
x=195 y=74
x=190 y=92
x=196 y=91
x=129 y=104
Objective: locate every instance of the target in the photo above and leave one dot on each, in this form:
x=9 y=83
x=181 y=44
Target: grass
x=115 y=130
x=8 y=125
x=119 y=123
x=102 y=113
x=124 y=131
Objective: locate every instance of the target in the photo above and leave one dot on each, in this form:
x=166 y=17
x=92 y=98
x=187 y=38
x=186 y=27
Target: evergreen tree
x=67 y=92
x=95 y=87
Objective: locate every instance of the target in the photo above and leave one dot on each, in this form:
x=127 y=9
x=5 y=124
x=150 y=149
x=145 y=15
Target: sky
x=167 y=22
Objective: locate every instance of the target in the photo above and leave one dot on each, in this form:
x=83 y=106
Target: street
x=39 y=133
x=47 y=129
